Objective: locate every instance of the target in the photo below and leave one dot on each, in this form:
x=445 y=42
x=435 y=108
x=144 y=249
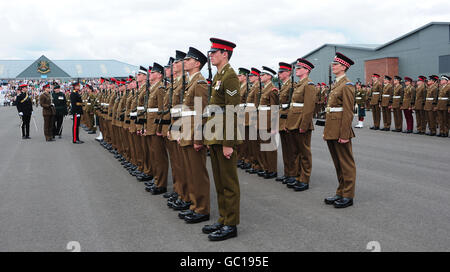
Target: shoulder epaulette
x=202 y=82
x=350 y=83
x=311 y=83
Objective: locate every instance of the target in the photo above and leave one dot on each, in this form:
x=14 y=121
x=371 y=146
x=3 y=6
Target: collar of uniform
x=192 y=76
x=284 y=83
x=224 y=69
x=339 y=78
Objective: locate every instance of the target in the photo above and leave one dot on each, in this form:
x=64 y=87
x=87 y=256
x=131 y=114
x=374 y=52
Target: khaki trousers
x=344 y=163
x=301 y=148
x=227 y=185
x=198 y=179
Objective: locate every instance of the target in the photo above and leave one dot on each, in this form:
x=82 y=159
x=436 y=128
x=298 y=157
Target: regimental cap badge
x=43 y=67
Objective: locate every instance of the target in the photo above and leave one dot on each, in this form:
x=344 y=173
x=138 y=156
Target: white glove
x=78 y=115
x=21 y=113
x=53 y=104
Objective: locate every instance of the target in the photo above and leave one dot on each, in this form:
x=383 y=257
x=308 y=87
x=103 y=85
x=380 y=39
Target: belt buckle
x=328 y=109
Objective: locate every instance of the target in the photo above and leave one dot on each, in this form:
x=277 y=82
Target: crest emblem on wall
x=43 y=67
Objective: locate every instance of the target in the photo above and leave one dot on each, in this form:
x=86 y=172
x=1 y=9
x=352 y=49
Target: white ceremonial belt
x=358 y=98
x=152 y=110
x=330 y=109
x=386 y=95
x=443 y=98
x=250 y=104
x=396 y=96
x=430 y=99
x=133 y=113
x=175 y=111
x=376 y=93
x=285 y=106
x=297 y=105
x=242 y=105
x=140 y=108
x=188 y=113
x=263 y=108
x=88 y=104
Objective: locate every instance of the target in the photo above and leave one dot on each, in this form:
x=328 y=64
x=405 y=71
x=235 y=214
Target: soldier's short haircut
x=230 y=53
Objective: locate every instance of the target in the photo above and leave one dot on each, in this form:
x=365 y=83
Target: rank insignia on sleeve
x=233 y=93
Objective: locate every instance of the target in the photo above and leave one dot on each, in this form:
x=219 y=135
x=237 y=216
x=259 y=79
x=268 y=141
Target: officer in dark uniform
x=77 y=110
x=59 y=99
x=25 y=108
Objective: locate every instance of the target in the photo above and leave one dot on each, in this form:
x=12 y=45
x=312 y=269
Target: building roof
x=75 y=68
x=411 y=33
x=375 y=47
x=368 y=47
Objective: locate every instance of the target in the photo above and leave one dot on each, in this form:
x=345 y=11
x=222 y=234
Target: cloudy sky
x=141 y=32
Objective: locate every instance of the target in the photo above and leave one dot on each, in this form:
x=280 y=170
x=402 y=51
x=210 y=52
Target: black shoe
x=386 y=129
x=331 y=200
x=374 y=128
x=78 y=142
x=158 y=190
x=343 y=203
x=195 y=218
x=300 y=186
x=181 y=205
x=23 y=137
x=170 y=195
x=246 y=166
x=81 y=142
x=182 y=215
x=289 y=180
x=59 y=136
x=144 y=177
x=432 y=134
x=261 y=173
x=252 y=171
x=226 y=232
x=290 y=183
x=150 y=188
x=281 y=178
x=409 y=131
x=211 y=228
x=270 y=175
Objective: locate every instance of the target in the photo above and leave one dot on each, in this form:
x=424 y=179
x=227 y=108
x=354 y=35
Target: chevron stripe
x=232 y=93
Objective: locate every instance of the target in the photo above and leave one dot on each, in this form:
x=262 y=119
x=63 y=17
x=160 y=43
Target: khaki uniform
x=226 y=92
x=155 y=144
x=443 y=108
x=431 y=101
x=251 y=120
x=397 y=100
x=243 y=149
x=48 y=112
x=421 y=118
x=375 y=100
x=300 y=116
x=195 y=161
x=386 y=102
x=143 y=142
x=269 y=97
x=171 y=146
x=289 y=157
x=179 y=169
x=339 y=126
